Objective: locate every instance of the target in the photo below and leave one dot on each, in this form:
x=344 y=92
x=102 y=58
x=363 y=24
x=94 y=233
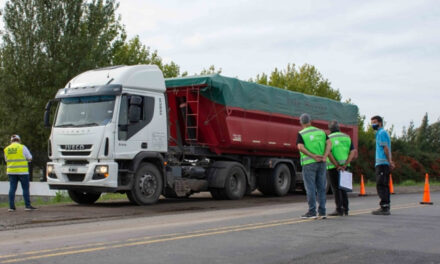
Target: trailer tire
x=84 y=197
x=280 y=180
x=147 y=186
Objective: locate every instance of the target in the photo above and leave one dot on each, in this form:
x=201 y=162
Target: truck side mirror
x=47 y=113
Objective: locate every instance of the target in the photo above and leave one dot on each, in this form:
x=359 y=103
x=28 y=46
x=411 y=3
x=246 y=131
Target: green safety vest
x=15 y=159
x=340 y=148
x=314 y=141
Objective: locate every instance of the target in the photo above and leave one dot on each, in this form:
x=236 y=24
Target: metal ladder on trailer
x=192 y=114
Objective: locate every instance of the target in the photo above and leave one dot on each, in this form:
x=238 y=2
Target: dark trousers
x=341 y=197
x=13 y=182
x=383 y=185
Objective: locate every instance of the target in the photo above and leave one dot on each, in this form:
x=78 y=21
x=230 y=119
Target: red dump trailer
x=219 y=126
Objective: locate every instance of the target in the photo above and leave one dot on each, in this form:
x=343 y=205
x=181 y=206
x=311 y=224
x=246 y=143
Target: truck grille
x=76 y=162
x=73 y=177
x=76 y=149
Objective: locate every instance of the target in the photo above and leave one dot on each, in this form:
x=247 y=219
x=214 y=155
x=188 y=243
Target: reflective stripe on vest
x=15 y=159
x=340 y=148
x=314 y=141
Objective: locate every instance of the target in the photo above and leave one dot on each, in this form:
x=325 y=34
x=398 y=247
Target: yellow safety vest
x=16 y=161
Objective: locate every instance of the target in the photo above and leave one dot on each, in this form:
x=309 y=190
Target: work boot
x=382 y=211
x=346 y=213
x=336 y=213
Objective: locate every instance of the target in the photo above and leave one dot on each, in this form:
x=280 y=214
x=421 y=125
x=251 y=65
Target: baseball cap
x=15 y=137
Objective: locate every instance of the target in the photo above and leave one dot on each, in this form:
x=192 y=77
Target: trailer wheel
x=84 y=197
x=235 y=184
x=147 y=186
x=280 y=180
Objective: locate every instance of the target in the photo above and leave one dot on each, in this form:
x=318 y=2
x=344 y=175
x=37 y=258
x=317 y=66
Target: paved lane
x=263 y=234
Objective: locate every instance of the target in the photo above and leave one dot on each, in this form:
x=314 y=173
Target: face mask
x=375 y=126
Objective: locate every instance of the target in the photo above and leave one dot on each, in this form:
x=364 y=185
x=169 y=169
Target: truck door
x=141 y=126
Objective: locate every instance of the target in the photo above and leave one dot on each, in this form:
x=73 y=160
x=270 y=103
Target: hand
x=342 y=168
x=392 y=165
x=318 y=158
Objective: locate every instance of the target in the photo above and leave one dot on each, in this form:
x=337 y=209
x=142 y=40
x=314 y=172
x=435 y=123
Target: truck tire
x=276 y=183
x=235 y=184
x=280 y=180
x=84 y=197
x=130 y=197
x=147 y=186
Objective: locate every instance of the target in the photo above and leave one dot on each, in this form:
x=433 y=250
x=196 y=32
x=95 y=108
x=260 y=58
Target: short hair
x=333 y=126
x=305 y=119
x=15 y=138
x=377 y=118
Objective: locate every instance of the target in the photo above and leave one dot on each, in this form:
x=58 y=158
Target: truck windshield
x=85 y=111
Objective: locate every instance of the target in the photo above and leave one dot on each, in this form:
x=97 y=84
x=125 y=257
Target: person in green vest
x=314 y=146
x=342 y=153
x=17 y=157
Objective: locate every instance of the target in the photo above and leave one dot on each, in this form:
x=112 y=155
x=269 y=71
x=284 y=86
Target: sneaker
x=335 y=213
x=30 y=208
x=309 y=215
x=381 y=211
x=11 y=210
x=322 y=216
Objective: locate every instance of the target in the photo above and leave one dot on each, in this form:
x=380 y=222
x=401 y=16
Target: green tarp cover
x=251 y=96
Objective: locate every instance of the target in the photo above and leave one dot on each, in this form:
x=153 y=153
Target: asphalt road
x=268 y=233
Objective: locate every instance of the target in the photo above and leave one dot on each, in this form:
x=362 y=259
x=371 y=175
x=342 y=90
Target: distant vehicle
x=126 y=129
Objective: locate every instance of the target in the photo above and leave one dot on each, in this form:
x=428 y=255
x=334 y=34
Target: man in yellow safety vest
x=17 y=157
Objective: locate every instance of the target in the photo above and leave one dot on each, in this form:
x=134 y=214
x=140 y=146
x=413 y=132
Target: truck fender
x=153 y=157
x=217 y=173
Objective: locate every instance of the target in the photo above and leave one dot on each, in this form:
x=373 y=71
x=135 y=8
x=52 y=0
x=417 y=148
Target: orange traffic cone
x=362 y=192
x=426 y=196
x=391 y=184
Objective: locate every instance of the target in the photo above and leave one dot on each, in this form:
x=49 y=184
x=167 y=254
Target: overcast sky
x=384 y=55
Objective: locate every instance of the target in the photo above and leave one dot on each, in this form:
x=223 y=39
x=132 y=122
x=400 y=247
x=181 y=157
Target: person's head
x=376 y=122
x=305 y=120
x=333 y=126
x=15 y=138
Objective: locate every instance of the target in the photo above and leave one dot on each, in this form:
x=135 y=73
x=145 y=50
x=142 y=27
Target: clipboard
x=346 y=181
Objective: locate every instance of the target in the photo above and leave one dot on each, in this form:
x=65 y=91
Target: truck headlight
x=101 y=172
x=50 y=171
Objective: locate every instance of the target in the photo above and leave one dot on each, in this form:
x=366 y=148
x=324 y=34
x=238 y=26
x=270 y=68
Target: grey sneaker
x=309 y=215
x=30 y=208
x=381 y=211
x=11 y=210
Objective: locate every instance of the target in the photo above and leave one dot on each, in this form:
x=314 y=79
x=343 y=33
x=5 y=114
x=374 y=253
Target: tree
x=307 y=79
x=134 y=52
x=422 y=135
x=46 y=43
x=211 y=70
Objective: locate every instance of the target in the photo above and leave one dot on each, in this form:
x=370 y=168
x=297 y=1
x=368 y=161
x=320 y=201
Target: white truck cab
x=104 y=118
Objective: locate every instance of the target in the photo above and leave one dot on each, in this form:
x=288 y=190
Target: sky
x=383 y=55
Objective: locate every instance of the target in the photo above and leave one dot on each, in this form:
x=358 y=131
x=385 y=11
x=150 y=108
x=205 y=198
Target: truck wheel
x=83 y=197
x=147 y=186
x=280 y=180
x=130 y=197
x=235 y=184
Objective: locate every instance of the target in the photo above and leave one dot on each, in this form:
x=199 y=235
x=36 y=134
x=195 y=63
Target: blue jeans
x=314 y=176
x=13 y=182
